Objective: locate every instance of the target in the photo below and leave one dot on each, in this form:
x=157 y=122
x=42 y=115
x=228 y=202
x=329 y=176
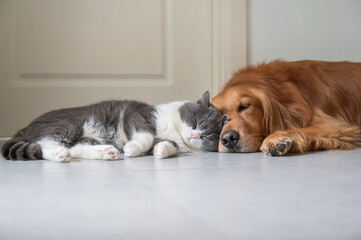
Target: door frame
x=229 y=19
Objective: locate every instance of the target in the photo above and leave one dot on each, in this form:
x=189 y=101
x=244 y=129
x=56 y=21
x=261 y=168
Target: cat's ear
x=224 y=119
x=205 y=100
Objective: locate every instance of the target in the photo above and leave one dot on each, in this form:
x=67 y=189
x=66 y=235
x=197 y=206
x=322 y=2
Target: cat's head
x=202 y=124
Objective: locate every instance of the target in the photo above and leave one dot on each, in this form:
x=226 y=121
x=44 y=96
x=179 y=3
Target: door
x=57 y=54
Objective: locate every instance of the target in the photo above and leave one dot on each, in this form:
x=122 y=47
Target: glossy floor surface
x=194 y=196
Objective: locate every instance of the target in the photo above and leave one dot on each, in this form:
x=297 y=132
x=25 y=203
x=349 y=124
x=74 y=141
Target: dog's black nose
x=230 y=139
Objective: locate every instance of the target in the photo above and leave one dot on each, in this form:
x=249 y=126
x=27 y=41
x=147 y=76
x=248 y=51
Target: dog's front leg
x=326 y=136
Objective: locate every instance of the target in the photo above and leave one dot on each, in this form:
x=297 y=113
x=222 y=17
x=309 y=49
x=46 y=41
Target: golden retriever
x=283 y=107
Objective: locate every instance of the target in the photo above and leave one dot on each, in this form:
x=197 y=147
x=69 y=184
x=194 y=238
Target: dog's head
x=257 y=107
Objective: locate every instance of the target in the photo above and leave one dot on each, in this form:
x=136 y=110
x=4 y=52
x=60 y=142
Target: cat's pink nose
x=195 y=135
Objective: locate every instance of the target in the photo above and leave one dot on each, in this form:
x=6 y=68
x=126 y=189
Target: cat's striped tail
x=19 y=148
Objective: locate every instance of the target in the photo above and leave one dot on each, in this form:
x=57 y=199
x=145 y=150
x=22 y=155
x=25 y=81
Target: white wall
x=307 y=29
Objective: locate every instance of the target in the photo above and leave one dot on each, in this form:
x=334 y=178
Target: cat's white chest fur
x=169 y=124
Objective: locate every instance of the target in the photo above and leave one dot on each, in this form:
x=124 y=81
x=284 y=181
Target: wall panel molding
x=22 y=78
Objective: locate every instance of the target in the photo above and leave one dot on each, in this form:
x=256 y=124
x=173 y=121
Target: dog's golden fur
x=283 y=107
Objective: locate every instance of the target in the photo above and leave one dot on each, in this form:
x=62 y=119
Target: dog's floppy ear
x=205 y=100
x=276 y=117
x=283 y=115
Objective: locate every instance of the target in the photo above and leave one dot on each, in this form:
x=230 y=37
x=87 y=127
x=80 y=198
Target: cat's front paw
x=132 y=150
x=164 y=149
x=108 y=152
x=61 y=155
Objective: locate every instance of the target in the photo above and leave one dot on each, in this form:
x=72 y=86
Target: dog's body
x=283 y=107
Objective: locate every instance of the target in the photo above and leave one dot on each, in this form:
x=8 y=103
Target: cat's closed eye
x=225 y=119
x=195 y=124
x=205 y=137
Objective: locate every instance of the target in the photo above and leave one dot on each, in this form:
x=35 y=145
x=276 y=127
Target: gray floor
x=194 y=196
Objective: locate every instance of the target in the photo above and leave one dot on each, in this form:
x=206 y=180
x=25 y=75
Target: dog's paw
x=276 y=146
x=164 y=149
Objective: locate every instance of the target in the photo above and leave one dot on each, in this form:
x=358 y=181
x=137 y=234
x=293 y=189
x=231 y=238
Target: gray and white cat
x=103 y=130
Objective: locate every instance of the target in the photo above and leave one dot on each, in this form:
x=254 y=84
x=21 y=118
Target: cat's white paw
x=164 y=149
x=132 y=150
x=60 y=154
x=108 y=152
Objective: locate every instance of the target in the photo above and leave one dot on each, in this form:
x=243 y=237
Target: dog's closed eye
x=243 y=107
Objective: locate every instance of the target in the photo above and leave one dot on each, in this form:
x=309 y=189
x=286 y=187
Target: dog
x=292 y=107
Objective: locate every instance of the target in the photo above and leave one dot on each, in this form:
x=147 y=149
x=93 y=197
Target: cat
x=103 y=130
